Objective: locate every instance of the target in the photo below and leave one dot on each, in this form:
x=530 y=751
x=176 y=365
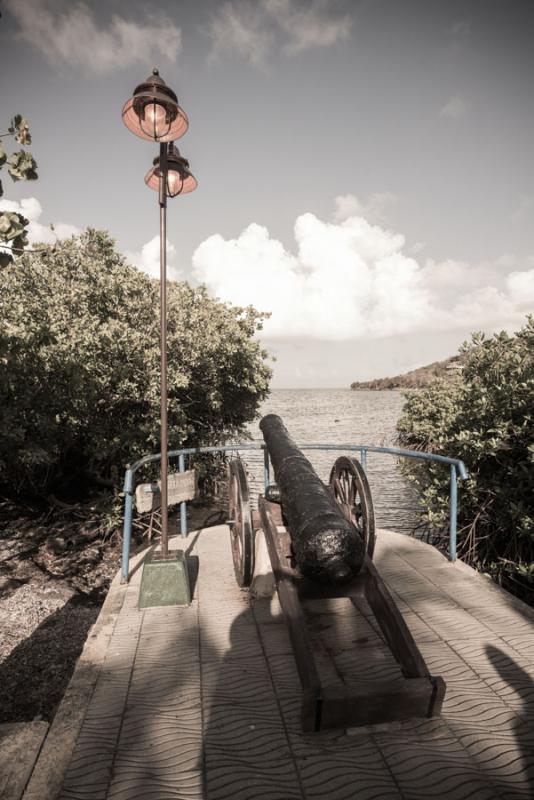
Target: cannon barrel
x=327 y=546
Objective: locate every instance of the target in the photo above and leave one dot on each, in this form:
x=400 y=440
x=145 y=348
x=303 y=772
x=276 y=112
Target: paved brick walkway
x=203 y=701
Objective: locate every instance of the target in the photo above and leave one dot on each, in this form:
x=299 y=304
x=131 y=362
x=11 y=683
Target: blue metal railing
x=457 y=470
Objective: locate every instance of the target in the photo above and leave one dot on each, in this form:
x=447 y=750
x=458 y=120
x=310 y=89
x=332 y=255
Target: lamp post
x=153 y=113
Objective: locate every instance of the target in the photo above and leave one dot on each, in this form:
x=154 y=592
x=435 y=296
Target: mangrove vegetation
x=485 y=416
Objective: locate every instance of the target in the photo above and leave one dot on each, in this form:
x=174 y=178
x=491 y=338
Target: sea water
x=343 y=416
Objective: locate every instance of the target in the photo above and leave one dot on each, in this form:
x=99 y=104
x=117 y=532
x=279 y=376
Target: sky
x=365 y=169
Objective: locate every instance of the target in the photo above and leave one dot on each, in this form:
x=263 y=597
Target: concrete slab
x=165 y=582
x=202 y=701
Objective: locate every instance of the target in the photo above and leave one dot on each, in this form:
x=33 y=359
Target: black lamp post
x=153 y=113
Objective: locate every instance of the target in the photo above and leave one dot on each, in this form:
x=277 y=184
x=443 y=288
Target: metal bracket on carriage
x=320 y=541
x=273 y=494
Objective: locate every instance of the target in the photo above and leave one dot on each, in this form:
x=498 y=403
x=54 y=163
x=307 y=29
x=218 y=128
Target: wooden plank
x=181 y=486
x=295 y=621
x=392 y=624
x=263 y=583
x=284 y=547
x=376 y=703
x=256 y=521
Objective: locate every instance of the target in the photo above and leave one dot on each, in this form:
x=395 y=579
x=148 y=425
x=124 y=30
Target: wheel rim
x=235 y=516
x=241 y=531
x=352 y=492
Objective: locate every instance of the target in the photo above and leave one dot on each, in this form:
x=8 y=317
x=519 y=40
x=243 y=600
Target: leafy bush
x=485 y=417
x=79 y=365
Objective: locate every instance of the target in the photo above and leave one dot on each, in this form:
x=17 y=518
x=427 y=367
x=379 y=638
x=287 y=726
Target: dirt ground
x=55 y=569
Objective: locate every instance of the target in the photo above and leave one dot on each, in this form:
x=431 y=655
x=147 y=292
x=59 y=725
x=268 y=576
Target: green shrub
x=79 y=365
x=485 y=417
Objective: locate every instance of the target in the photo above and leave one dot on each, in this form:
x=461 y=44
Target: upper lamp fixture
x=179 y=179
x=153 y=112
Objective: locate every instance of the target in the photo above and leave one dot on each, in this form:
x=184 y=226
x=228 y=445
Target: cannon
x=321 y=541
x=326 y=545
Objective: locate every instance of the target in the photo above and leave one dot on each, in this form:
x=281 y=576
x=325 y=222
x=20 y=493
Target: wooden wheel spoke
x=338 y=488
x=353 y=494
x=346 y=487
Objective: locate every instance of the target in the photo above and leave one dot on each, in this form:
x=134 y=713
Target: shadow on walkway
x=35 y=675
x=520 y=773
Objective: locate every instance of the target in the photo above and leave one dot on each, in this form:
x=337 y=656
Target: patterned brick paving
x=203 y=701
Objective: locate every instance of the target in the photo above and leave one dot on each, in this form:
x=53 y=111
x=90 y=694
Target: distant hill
x=416 y=378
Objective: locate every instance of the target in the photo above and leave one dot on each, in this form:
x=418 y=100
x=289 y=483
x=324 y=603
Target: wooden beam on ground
x=296 y=623
x=392 y=624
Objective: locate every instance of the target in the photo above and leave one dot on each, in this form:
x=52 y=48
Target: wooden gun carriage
x=345 y=505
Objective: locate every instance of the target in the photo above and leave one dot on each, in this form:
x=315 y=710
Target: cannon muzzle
x=327 y=546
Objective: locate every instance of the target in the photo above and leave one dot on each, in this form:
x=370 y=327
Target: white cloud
x=65 y=231
x=239 y=29
x=348 y=280
x=416 y=248
x=486 y=305
x=38 y=233
x=347 y=205
x=450 y=279
x=148 y=259
x=308 y=25
x=454 y=108
x=374 y=210
x=520 y=286
x=251 y=30
x=68 y=34
x=352 y=279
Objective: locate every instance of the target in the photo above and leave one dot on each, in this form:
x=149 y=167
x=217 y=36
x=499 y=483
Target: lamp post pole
x=153 y=113
x=163 y=167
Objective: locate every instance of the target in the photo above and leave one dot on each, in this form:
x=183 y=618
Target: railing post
x=127 y=529
x=363 y=458
x=183 y=505
x=266 y=468
x=453 y=511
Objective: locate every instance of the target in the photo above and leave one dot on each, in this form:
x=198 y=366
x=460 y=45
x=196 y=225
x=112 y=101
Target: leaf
x=12 y=225
x=22 y=166
x=5 y=258
x=20 y=242
x=20 y=129
x=5 y=224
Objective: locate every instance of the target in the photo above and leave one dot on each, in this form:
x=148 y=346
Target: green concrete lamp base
x=165 y=582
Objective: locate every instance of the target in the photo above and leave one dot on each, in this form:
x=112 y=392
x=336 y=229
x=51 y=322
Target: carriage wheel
x=353 y=493
x=240 y=521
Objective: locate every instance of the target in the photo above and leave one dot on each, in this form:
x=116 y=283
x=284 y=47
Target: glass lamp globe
x=180 y=180
x=153 y=112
